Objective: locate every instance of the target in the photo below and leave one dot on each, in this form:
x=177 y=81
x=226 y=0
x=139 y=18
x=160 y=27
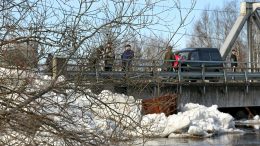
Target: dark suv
x=193 y=59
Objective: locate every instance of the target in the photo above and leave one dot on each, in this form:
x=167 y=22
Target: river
x=251 y=136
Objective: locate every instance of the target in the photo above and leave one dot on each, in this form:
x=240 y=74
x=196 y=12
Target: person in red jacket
x=175 y=63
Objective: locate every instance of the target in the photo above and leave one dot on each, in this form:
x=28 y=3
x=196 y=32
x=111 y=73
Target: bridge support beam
x=223 y=95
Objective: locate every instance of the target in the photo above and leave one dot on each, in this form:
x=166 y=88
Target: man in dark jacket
x=127 y=57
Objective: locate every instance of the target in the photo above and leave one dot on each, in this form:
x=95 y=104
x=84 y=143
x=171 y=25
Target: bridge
x=147 y=78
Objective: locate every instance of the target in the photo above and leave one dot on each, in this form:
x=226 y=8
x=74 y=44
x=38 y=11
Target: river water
x=250 y=137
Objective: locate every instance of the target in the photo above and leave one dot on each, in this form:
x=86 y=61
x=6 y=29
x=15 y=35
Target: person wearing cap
x=233 y=60
x=127 y=57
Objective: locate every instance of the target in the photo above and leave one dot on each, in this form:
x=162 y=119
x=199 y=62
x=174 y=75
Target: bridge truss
x=250 y=14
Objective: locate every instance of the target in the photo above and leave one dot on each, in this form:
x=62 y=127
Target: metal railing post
x=203 y=72
x=179 y=72
x=225 y=76
x=225 y=72
x=246 y=77
x=179 y=77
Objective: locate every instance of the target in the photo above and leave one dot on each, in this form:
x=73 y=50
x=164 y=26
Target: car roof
x=193 y=49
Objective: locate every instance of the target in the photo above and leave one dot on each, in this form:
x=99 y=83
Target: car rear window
x=210 y=55
x=215 y=56
x=184 y=55
x=204 y=55
x=194 y=55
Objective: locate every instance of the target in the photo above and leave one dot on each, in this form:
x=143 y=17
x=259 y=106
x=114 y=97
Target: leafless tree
x=213 y=27
x=36 y=109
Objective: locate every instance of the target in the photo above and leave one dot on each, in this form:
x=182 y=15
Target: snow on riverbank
x=103 y=112
x=192 y=120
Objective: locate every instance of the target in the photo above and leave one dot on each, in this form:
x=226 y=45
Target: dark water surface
x=250 y=137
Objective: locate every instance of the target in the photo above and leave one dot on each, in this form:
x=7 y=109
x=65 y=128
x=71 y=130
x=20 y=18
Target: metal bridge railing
x=199 y=71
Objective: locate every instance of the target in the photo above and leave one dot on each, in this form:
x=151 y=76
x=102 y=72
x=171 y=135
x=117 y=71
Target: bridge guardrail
x=151 y=69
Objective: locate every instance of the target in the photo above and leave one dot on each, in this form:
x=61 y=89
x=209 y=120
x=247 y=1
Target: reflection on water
x=251 y=137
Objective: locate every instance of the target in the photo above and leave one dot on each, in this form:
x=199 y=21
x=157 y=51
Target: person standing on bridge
x=49 y=63
x=109 y=57
x=168 y=59
x=127 y=57
x=95 y=58
x=233 y=60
